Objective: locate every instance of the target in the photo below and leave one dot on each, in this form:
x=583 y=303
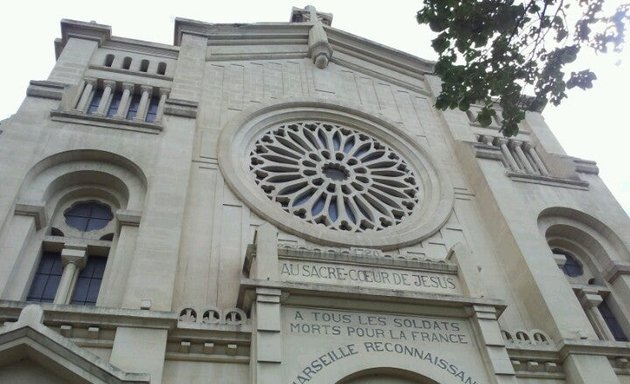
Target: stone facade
x=280 y=203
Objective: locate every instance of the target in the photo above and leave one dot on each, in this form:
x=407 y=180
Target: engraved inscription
x=366 y=276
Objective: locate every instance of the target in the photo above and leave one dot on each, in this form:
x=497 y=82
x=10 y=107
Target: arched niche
x=588 y=238
x=114 y=175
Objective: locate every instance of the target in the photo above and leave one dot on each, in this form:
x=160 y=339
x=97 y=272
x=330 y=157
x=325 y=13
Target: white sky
x=591 y=125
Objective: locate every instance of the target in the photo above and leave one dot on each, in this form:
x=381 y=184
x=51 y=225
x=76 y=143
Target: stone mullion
x=86 y=95
x=125 y=100
x=532 y=152
x=516 y=146
x=144 y=102
x=502 y=143
x=106 y=99
x=160 y=111
x=74 y=258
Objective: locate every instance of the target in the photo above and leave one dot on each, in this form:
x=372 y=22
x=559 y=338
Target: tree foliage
x=492 y=52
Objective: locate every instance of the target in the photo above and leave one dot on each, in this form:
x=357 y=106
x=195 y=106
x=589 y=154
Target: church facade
x=281 y=203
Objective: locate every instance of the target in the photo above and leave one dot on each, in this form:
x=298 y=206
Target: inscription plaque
x=368 y=276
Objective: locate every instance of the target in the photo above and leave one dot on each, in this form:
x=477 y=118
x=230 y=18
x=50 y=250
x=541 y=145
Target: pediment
x=29 y=350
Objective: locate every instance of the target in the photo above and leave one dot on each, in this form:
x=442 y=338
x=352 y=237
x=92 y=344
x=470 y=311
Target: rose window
x=326 y=173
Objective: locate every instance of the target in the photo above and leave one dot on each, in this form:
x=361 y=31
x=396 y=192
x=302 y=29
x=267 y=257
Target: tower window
x=127 y=63
x=109 y=60
x=96 y=100
x=88 y=216
x=161 y=70
x=133 y=107
x=144 y=65
x=114 y=104
x=152 y=110
x=47 y=277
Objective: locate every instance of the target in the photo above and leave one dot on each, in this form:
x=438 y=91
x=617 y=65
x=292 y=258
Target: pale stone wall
x=207 y=280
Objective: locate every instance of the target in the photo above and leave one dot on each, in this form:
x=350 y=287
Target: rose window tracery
x=326 y=173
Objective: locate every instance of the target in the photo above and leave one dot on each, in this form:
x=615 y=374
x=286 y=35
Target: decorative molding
x=130 y=73
x=46 y=89
x=78 y=117
x=522 y=337
x=166 y=51
x=182 y=108
x=279 y=32
x=191 y=316
x=81 y=30
x=484 y=151
x=363 y=256
x=585 y=166
x=548 y=180
x=86 y=316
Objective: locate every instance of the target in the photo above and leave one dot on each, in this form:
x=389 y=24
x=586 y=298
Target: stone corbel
x=616 y=269
x=128 y=217
x=35 y=210
x=319 y=49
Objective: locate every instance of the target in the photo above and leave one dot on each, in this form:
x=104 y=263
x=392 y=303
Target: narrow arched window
x=127 y=63
x=109 y=60
x=144 y=65
x=161 y=69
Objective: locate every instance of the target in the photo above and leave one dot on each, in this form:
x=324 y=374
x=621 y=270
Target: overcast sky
x=591 y=125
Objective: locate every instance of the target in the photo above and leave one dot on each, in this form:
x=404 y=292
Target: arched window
x=91 y=220
x=144 y=65
x=581 y=246
x=127 y=63
x=109 y=60
x=161 y=69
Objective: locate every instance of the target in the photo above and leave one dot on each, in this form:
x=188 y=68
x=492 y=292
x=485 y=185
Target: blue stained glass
x=96 y=100
x=46 y=279
x=88 y=216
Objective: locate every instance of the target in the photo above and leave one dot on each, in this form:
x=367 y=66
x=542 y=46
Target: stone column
x=502 y=143
x=108 y=87
x=124 y=101
x=590 y=300
x=516 y=146
x=534 y=155
x=160 y=111
x=86 y=95
x=144 y=102
x=74 y=258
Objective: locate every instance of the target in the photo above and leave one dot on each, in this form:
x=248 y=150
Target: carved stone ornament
x=334 y=175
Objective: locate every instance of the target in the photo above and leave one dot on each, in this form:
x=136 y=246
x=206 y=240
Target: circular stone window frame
x=240 y=134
